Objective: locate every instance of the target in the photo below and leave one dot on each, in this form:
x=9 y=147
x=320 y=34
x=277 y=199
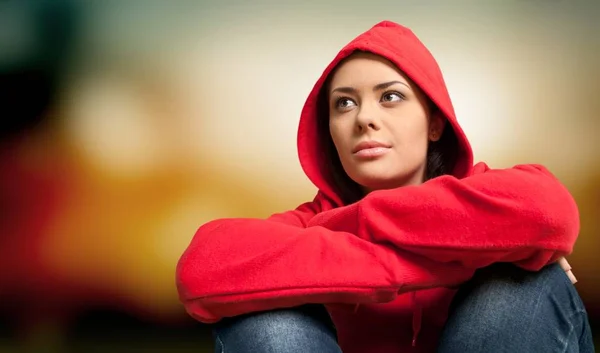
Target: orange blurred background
x=128 y=124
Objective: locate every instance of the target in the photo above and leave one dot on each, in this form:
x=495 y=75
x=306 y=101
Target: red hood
x=399 y=45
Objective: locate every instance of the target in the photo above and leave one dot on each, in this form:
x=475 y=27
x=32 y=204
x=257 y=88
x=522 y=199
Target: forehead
x=365 y=68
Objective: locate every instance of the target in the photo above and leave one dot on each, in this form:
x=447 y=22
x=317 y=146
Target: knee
x=284 y=330
x=507 y=290
x=505 y=301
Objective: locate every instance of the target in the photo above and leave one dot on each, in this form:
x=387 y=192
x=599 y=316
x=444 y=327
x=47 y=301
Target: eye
x=344 y=103
x=392 y=97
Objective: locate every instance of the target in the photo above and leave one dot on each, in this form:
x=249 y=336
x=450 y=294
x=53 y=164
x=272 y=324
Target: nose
x=367 y=119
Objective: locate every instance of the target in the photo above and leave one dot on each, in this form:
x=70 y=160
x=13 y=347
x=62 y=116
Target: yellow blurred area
x=176 y=113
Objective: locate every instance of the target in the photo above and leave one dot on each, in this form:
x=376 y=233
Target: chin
x=377 y=183
x=374 y=180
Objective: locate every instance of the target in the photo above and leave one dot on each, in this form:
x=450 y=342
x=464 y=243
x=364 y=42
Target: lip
x=370 y=145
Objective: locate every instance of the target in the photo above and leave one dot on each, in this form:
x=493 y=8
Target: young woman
x=407 y=243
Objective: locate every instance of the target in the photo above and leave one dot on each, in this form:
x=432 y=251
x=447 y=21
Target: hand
x=567 y=268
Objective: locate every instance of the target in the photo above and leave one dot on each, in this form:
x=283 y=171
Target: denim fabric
x=502 y=309
x=505 y=309
x=303 y=329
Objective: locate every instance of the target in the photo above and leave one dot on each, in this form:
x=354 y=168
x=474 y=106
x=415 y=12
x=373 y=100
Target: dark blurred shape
x=118 y=326
x=36 y=41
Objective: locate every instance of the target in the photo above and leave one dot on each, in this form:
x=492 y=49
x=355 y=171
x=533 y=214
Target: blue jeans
x=502 y=309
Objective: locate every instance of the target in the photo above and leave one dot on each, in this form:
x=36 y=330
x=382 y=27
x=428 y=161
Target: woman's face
x=380 y=123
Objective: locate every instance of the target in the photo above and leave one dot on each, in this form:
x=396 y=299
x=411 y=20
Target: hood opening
x=441 y=155
x=452 y=154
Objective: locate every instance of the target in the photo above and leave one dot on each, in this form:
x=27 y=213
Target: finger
x=564 y=264
x=571 y=276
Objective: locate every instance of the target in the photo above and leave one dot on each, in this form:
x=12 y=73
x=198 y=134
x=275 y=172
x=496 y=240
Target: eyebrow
x=377 y=87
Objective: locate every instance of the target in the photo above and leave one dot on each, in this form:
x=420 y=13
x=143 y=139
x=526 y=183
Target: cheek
x=418 y=149
x=338 y=134
x=411 y=137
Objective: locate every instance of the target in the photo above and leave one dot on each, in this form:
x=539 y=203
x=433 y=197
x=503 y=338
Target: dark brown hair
x=441 y=154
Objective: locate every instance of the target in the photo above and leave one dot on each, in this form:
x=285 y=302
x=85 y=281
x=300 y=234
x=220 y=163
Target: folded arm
x=522 y=215
x=236 y=266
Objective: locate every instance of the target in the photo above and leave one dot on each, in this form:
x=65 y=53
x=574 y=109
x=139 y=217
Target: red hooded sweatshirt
x=385 y=266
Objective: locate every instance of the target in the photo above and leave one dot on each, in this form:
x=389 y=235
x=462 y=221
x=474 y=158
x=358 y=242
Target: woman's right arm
x=237 y=266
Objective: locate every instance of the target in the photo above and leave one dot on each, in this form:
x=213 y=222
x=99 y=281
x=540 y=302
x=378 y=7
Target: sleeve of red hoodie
x=237 y=266
x=391 y=242
x=522 y=215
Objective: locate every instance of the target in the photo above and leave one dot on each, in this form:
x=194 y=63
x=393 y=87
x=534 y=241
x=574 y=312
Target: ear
x=437 y=122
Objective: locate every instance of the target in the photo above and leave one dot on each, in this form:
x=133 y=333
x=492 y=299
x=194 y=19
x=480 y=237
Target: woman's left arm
x=522 y=215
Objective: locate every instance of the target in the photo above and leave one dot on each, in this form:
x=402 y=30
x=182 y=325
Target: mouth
x=370 y=149
x=366 y=145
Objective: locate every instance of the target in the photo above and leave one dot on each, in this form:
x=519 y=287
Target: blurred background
x=128 y=124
